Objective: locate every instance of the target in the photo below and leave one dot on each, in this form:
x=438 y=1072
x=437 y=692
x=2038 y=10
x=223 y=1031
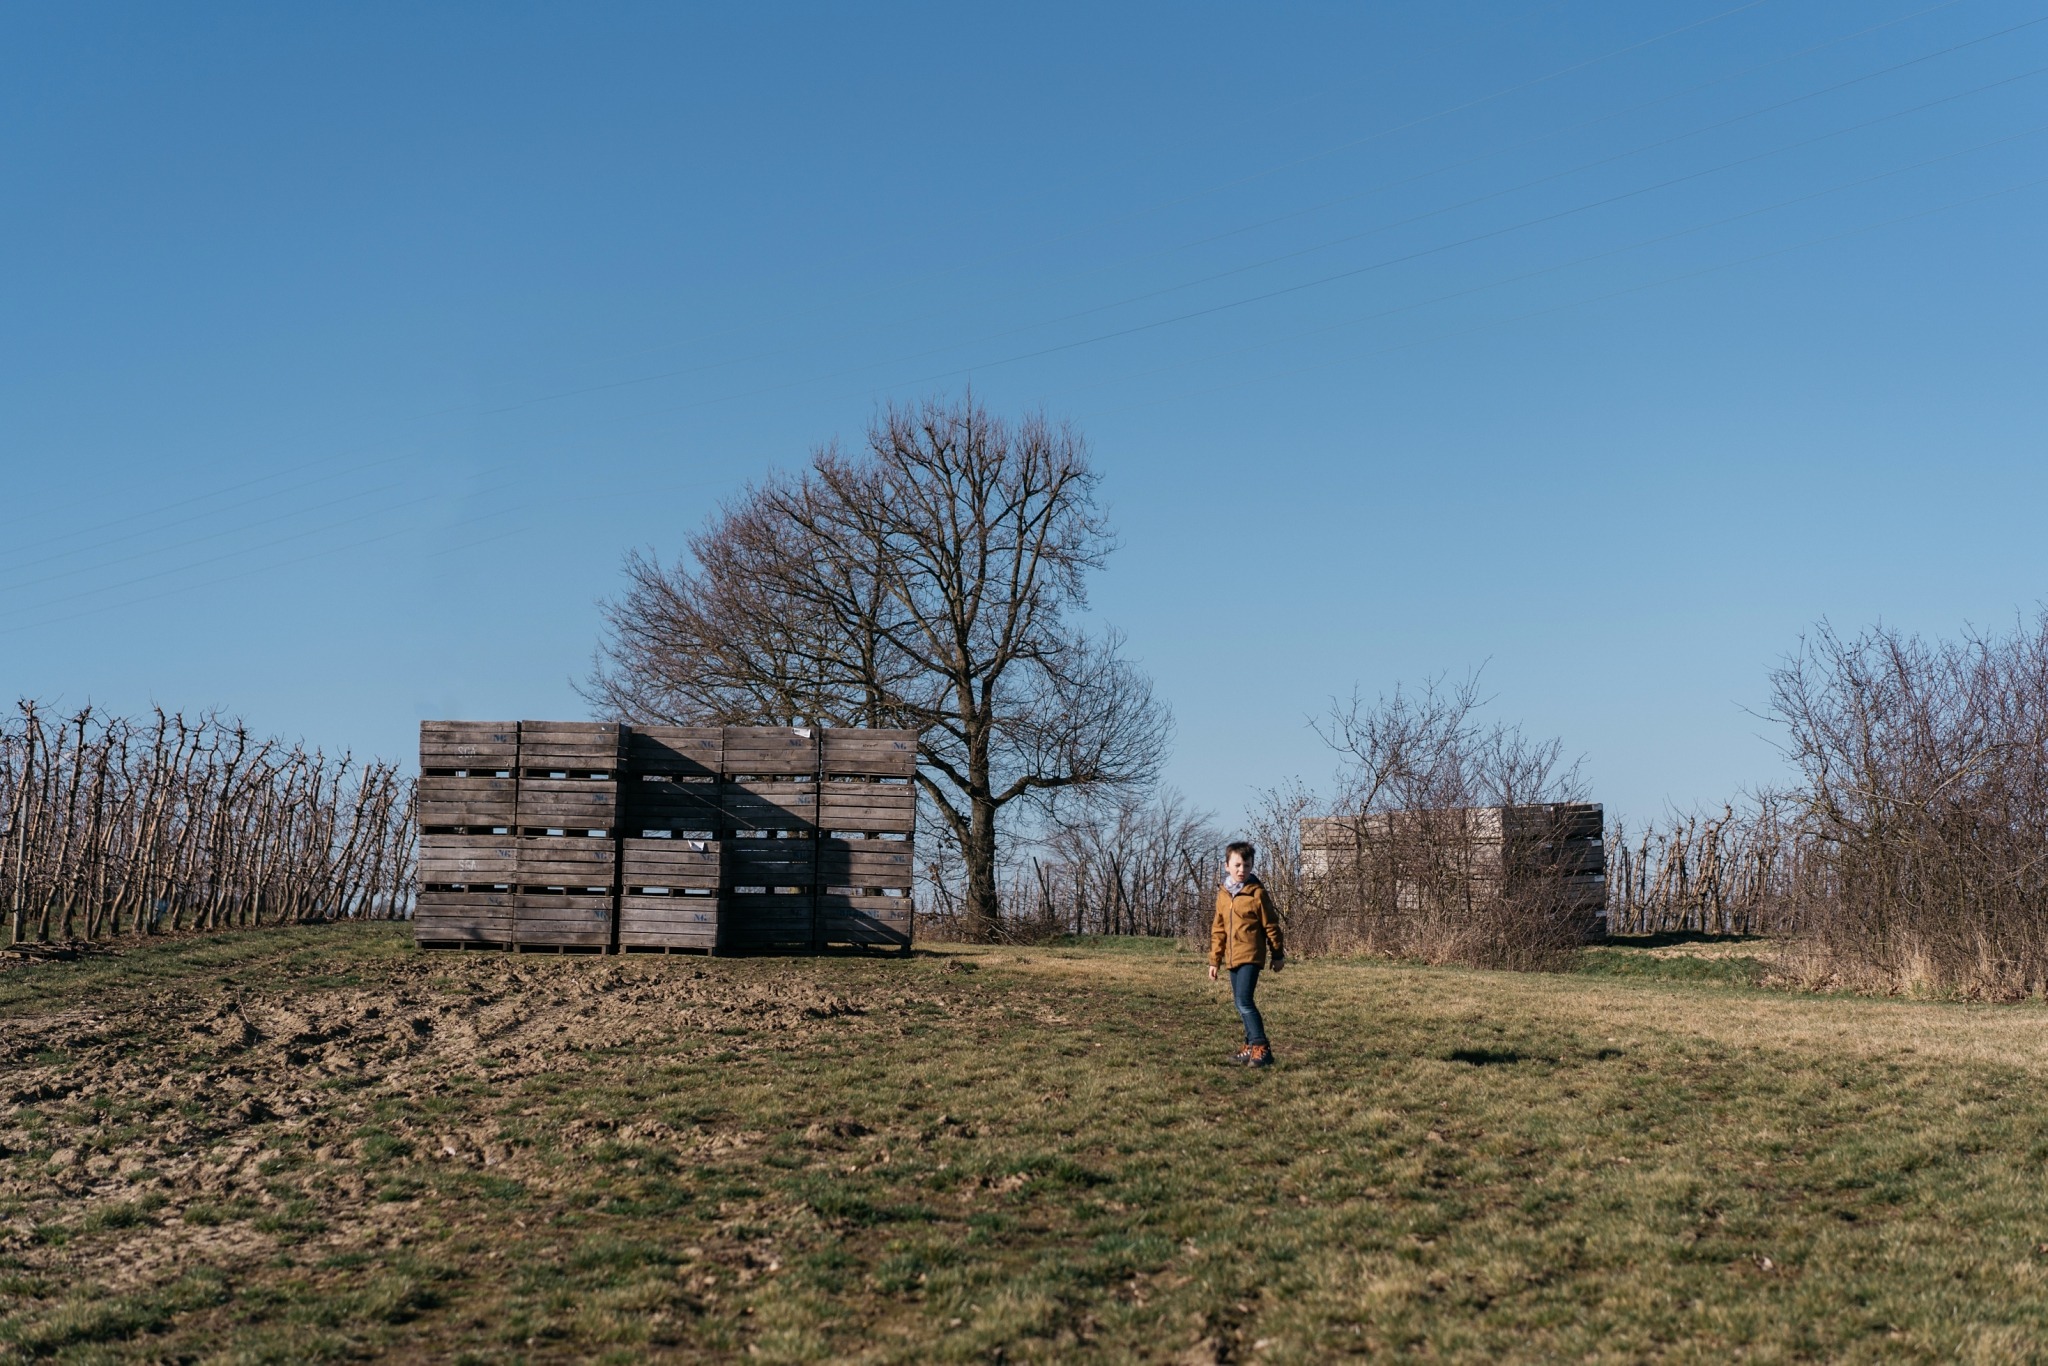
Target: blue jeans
x=1243 y=982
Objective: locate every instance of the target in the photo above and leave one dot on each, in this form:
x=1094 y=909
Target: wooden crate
x=578 y=864
x=546 y=920
x=669 y=801
x=693 y=751
x=446 y=801
x=866 y=806
x=769 y=862
x=487 y=745
x=675 y=864
x=769 y=751
x=767 y=806
x=866 y=921
x=668 y=922
x=756 y=920
x=575 y=746
x=864 y=863
x=442 y=917
x=585 y=802
x=469 y=860
x=847 y=751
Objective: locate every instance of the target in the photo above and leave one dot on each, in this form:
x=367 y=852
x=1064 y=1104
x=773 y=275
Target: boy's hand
x=1212 y=972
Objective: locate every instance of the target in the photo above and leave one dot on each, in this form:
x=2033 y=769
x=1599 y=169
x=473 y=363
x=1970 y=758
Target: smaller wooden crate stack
x=669 y=854
x=867 y=827
x=576 y=835
x=569 y=780
x=467 y=802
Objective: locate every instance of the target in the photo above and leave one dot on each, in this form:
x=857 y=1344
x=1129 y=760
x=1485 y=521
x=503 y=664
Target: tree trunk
x=984 y=910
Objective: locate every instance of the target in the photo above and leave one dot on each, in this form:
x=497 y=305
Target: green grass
x=1033 y=1154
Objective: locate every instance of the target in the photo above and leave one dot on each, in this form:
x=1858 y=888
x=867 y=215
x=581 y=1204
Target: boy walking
x=1245 y=928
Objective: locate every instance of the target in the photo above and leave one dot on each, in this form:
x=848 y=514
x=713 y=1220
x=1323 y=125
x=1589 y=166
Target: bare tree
x=1133 y=863
x=932 y=582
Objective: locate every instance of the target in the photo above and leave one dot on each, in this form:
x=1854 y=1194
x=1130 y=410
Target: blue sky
x=345 y=350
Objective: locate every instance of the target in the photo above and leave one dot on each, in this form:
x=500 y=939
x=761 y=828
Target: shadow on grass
x=1676 y=938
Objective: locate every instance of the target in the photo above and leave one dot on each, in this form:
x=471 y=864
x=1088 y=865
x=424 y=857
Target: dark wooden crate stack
x=768 y=806
x=669 y=855
x=599 y=836
x=1412 y=858
x=867 y=826
x=568 y=820
x=469 y=850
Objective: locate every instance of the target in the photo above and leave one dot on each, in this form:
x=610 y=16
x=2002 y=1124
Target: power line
x=1582 y=260
x=1338 y=276
x=1595 y=299
x=1496 y=94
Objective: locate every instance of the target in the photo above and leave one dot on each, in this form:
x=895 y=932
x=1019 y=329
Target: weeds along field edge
x=319 y=1143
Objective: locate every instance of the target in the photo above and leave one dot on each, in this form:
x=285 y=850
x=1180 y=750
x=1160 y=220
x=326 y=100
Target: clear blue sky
x=345 y=349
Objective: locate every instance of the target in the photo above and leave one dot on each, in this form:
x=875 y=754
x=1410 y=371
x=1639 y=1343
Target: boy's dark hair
x=1243 y=849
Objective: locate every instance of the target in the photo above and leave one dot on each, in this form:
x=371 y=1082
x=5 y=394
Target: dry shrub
x=1924 y=791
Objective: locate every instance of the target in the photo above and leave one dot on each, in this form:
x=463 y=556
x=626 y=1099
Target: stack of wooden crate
x=768 y=806
x=867 y=827
x=568 y=815
x=669 y=856
x=466 y=804
x=1410 y=862
x=589 y=835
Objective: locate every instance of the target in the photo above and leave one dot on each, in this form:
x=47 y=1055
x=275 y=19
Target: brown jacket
x=1246 y=926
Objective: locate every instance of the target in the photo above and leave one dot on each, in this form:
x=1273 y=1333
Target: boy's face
x=1236 y=867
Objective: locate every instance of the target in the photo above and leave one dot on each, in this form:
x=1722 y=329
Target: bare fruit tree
x=930 y=581
x=113 y=826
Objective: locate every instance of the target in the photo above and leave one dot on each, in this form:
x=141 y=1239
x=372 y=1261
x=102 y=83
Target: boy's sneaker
x=1261 y=1056
x=1242 y=1055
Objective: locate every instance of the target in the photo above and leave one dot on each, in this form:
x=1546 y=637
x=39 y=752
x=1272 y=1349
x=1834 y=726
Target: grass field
x=322 y=1144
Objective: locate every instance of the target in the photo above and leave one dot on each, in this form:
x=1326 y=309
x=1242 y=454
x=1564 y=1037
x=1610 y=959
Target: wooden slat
x=469 y=814
x=637 y=880
x=660 y=938
x=679 y=856
x=831 y=903
x=440 y=787
x=695 y=910
x=750 y=905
